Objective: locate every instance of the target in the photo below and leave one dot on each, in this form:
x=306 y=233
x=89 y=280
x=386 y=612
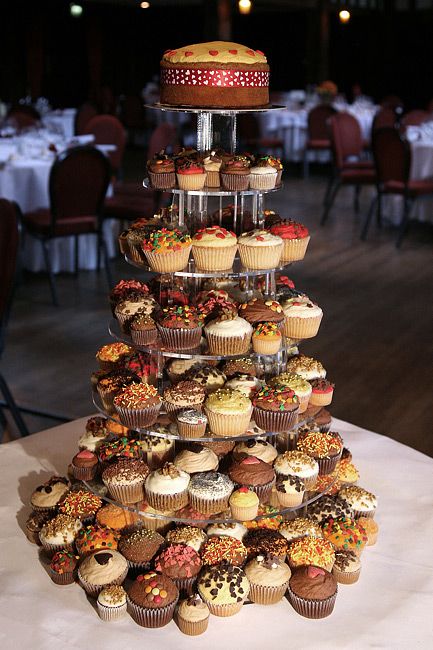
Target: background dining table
x=389 y=607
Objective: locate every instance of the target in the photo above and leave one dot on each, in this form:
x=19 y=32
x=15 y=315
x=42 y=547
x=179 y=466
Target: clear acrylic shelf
x=213 y=191
x=214 y=111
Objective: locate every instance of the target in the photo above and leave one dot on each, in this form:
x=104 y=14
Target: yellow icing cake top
x=216 y=51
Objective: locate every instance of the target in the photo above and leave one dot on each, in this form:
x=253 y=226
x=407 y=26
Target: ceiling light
x=344 y=16
x=244 y=6
x=75 y=10
x=145 y=5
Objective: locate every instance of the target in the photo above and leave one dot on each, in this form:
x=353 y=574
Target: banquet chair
x=107 y=129
x=252 y=138
x=318 y=131
x=415 y=118
x=84 y=114
x=78 y=183
x=10 y=218
x=392 y=159
x=385 y=116
x=349 y=168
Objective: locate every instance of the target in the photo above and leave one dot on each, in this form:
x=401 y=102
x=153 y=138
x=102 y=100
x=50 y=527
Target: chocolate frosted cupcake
x=209 y=492
x=261 y=311
x=243 y=366
x=143 y=330
x=275 y=409
x=261 y=541
x=63 y=567
x=138 y=405
x=166 y=488
x=322 y=392
x=184 y=394
x=312 y=592
x=84 y=465
x=181 y=563
x=235 y=174
x=161 y=171
x=326 y=448
x=255 y=474
x=152 y=600
x=111 y=385
x=81 y=504
x=224 y=589
x=34 y=525
x=301 y=387
x=140 y=547
x=125 y=480
x=180 y=327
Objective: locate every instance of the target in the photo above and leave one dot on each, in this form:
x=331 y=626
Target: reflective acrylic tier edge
x=213 y=191
x=215 y=111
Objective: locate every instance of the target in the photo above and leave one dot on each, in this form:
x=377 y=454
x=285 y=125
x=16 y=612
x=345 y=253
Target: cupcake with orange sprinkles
x=138 y=405
x=94 y=538
x=345 y=534
x=81 y=504
x=326 y=448
x=311 y=550
x=223 y=548
x=167 y=251
x=275 y=409
x=180 y=327
x=266 y=338
x=110 y=356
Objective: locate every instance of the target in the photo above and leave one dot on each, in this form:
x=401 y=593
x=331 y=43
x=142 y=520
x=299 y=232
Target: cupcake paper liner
x=180 y=338
x=244 y=513
x=302 y=328
x=235 y=182
x=327 y=465
x=346 y=577
x=213 y=179
x=267 y=595
x=126 y=494
x=192 y=628
x=191 y=431
x=290 y=500
x=260 y=257
x=107 y=397
x=364 y=513
x=228 y=425
x=84 y=473
x=214 y=259
x=148 y=617
x=279 y=176
x=53 y=548
x=167 y=501
x=124 y=321
x=185 y=585
x=62 y=578
x=162 y=180
x=168 y=262
x=138 y=418
x=294 y=249
x=172 y=410
x=226 y=346
x=263 y=181
x=209 y=506
x=274 y=421
x=266 y=346
x=95 y=590
x=191 y=182
x=144 y=337
x=224 y=610
x=157 y=525
x=312 y=608
x=111 y=613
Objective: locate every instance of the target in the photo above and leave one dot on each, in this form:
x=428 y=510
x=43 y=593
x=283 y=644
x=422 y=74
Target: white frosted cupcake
x=209 y=492
x=166 y=488
x=189 y=535
x=59 y=533
x=214 y=248
x=269 y=578
x=306 y=367
x=245 y=384
x=299 y=527
x=236 y=530
x=196 y=459
x=302 y=317
x=290 y=491
x=263 y=176
x=212 y=165
x=363 y=503
x=111 y=603
x=259 y=249
x=296 y=463
x=258 y=448
x=229 y=336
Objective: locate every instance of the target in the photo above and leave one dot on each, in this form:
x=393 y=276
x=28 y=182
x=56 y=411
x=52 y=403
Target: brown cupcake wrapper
x=267 y=595
x=62 y=578
x=51 y=509
x=33 y=536
x=126 y=494
x=172 y=410
x=144 y=337
x=124 y=321
x=95 y=590
x=191 y=182
x=192 y=628
x=227 y=346
x=108 y=366
x=107 y=397
x=275 y=421
x=180 y=339
x=209 y=506
x=346 y=577
x=155 y=459
x=327 y=465
x=138 y=566
x=162 y=180
x=244 y=513
x=151 y=617
x=224 y=610
x=168 y=262
x=84 y=473
x=312 y=608
x=263 y=346
x=167 y=501
x=228 y=425
x=235 y=182
x=214 y=259
x=294 y=249
x=190 y=431
x=302 y=328
x=111 y=613
x=260 y=257
x=213 y=179
x=263 y=181
x=185 y=585
x=138 y=418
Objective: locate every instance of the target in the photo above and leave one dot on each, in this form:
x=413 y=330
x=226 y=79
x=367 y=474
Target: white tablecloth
x=390 y=607
x=63 y=120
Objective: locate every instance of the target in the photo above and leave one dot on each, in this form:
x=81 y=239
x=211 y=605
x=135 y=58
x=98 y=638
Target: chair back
x=83 y=116
x=132 y=112
x=415 y=118
x=318 y=117
x=346 y=138
x=385 y=117
x=392 y=101
x=392 y=156
x=163 y=137
x=9 y=246
x=23 y=117
x=107 y=129
x=78 y=184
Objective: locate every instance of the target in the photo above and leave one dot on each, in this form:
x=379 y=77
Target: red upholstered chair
x=107 y=129
x=392 y=159
x=78 y=184
x=415 y=118
x=9 y=247
x=385 y=116
x=318 y=138
x=348 y=166
x=83 y=116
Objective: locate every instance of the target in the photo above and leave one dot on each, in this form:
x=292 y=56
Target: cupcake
x=302 y=317
x=228 y=335
x=181 y=563
x=143 y=330
x=189 y=535
x=276 y=164
x=219 y=549
x=125 y=287
x=111 y=385
x=322 y=392
x=326 y=448
x=111 y=603
x=269 y=578
x=191 y=423
x=84 y=465
x=258 y=448
x=196 y=459
x=214 y=248
x=115 y=517
x=312 y=591
x=140 y=546
x=224 y=589
x=263 y=175
x=186 y=393
x=166 y=488
x=47 y=496
x=132 y=307
x=63 y=567
x=59 y=533
x=212 y=165
x=96 y=432
x=245 y=384
x=81 y=504
x=259 y=249
x=228 y=412
x=255 y=474
x=94 y=538
x=118 y=448
x=275 y=409
x=156 y=451
x=161 y=171
x=189 y=515
x=347 y=567
x=329 y=507
x=138 y=405
x=180 y=327
x=234 y=367
x=34 y=525
x=167 y=251
x=257 y=311
x=209 y=492
x=346 y=535
x=266 y=338
x=134 y=239
x=192 y=616
x=290 y=491
x=125 y=479
x=244 y=504
x=152 y=607
x=260 y=541
x=111 y=355
x=299 y=527
x=235 y=174
x=301 y=387
x=178 y=368
x=371 y=529
x=190 y=174
x=295 y=237
x=209 y=377
x=347 y=472
x=307 y=367
x=311 y=550
x=296 y=463
x=363 y=503
x=228 y=529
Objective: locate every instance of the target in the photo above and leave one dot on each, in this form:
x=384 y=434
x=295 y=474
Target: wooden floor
x=376 y=337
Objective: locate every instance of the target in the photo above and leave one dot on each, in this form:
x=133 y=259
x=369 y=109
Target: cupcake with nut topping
x=167 y=488
x=111 y=603
x=301 y=387
x=363 y=503
x=167 y=251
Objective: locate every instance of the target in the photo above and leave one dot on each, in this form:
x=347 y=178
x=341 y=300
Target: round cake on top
x=218 y=74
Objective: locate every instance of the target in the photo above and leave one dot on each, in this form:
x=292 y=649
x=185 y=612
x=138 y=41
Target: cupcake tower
x=186 y=499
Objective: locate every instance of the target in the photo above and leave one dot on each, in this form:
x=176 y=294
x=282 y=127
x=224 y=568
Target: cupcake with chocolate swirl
x=260 y=311
x=235 y=174
x=161 y=171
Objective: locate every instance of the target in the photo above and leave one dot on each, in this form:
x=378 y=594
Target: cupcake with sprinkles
x=266 y=338
x=326 y=448
x=94 y=538
x=138 y=405
x=180 y=327
x=82 y=505
x=311 y=550
x=152 y=599
x=111 y=355
x=167 y=251
x=223 y=548
x=181 y=563
x=214 y=248
x=346 y=534
x=111 y=603
x=275 y=409
x=63 y=568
